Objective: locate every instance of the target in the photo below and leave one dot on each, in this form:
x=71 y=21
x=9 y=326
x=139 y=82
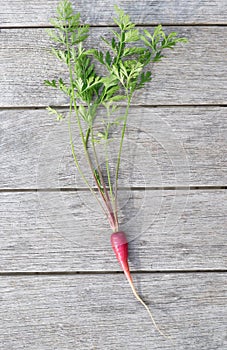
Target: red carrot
x=120 y=247
x=89 y=93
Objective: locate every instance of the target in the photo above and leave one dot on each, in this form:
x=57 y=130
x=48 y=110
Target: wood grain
x=78 y=312
x=59 y=281
x=65 y=231
x=16 y=13
x=163 y=147
x=195 y=73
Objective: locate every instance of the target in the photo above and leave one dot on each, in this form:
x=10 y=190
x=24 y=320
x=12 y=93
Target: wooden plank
x=195 y=73
x=23 y=13
x=65 y=231
x=87 y=312
x=163 y=147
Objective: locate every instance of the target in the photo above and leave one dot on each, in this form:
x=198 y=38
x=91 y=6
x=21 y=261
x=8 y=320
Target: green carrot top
x=101 y=79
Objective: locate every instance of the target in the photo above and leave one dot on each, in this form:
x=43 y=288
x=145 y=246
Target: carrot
x=125 y=68
x=120 y=247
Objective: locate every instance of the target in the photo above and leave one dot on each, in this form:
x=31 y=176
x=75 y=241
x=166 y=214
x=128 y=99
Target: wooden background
x=60 y=286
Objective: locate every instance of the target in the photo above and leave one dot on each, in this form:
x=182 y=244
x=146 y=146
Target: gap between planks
x=201 y=105
x=138 y=272
x=134 y=188
x=164 y=24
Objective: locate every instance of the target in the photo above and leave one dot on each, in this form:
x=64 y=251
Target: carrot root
x=129 y=278
x=120 y=247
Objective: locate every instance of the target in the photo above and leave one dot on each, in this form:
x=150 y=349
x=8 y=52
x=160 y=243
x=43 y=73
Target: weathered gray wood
x=195 y=73
x=99 y=312
x=65 y=231
x=163 y=147
x=30 y=13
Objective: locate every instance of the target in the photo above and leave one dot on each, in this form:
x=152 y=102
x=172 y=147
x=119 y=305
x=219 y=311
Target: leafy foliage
x=125 y=64
x=59 y=116
x=160 y=41
x=128 y=52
